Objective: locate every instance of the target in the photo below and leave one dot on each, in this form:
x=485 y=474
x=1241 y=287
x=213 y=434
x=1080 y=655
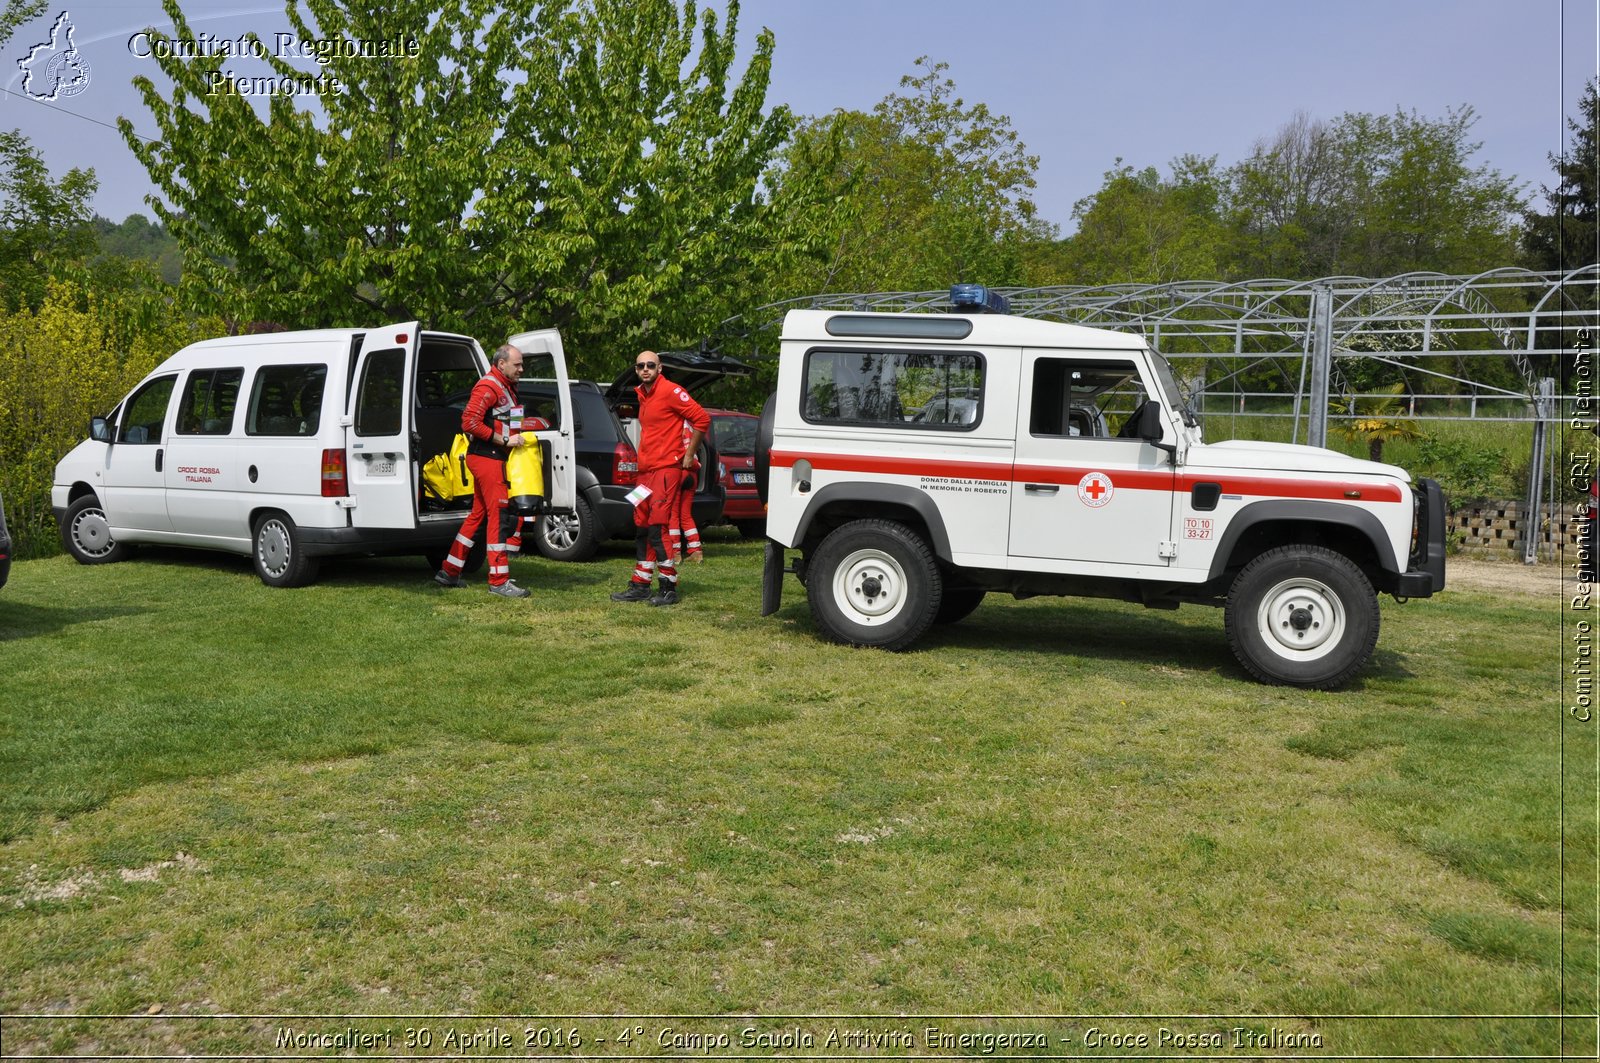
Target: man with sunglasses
x=665 y=452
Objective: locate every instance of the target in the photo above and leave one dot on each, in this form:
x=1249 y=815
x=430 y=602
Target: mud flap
x=771 y=579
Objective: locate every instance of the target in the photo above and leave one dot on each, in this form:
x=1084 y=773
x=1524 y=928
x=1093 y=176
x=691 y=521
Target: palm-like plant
x=1375 y=420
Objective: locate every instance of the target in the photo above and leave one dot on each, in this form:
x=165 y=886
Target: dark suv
x=608 y=464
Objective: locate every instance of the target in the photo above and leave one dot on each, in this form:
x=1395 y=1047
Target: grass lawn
x=374 y=797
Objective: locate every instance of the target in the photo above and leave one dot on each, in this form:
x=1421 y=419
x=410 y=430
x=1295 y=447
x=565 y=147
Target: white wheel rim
x=272 y=547
x=92 y=533
x=560 y=532
x=1301 y=619
x=869 y=587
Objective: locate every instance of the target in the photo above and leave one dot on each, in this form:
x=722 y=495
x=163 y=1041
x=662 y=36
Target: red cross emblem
x=1095 y=489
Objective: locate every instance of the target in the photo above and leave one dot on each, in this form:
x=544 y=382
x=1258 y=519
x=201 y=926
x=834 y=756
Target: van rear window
x=286 y=400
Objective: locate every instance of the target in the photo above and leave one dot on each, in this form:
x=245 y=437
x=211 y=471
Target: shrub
x=1468 y=471
x=75 y=356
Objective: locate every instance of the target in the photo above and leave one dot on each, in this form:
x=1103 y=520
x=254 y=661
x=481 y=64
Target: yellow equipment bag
x=445 y=476
x=525 y=474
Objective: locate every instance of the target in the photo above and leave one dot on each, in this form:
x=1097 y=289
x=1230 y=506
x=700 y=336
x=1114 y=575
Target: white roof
x=988 y=330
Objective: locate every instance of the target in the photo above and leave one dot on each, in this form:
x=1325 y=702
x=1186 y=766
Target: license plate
x=744 y=478
x=380 y=467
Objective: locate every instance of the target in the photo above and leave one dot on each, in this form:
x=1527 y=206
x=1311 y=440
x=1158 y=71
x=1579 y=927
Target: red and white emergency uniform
x=684 y=532
x=491 y=410
x=664 y=411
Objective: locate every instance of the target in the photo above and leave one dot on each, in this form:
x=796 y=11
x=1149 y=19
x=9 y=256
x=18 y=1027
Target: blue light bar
x=978 y=299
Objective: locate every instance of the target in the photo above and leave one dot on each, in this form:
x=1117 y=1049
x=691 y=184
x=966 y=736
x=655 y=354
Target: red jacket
x=488 y=407
x=661 y=416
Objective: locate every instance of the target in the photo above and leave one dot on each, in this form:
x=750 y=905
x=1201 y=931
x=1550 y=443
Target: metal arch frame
x=1263 y=308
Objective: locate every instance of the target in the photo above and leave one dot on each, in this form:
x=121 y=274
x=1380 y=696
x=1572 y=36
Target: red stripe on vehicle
x=1129 y=479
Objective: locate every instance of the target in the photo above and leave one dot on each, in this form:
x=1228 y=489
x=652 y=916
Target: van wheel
x=751 y=529
x=562 y=537
x=86 y=533
x=1302 y=616
x=280 y=558
x=874 y=583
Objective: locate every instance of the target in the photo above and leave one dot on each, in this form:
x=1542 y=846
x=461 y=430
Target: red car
x=734 y=436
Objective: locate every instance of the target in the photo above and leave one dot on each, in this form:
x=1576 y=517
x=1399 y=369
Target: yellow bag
x=445 y=476
x=525 y=474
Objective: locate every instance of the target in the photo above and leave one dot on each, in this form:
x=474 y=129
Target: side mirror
x=1150 y=429
x=1150 y=426
x=99 y=430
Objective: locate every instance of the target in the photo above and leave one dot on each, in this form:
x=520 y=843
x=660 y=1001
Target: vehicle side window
x=209 y=399
x=539 y=400
x=1080 y=397
x=378 y=402
x=286 y=400
x=146 y=411
x=902 y=389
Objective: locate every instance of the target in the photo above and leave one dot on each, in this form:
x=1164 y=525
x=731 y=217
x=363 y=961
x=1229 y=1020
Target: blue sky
x=1083 y=81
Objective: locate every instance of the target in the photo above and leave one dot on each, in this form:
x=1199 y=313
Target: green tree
x=578 y=164
x=1565 y=238
x=1372 y=195
x=924 y=191
x=15 y=13
x=45 y=225
x=137 y=239
x=1142 y=227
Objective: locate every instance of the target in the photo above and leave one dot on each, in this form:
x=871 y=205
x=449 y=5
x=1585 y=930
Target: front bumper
x=1424 y=575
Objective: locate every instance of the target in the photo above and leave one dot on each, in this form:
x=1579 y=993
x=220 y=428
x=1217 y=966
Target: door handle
x=1047 y=489
x=159 y=452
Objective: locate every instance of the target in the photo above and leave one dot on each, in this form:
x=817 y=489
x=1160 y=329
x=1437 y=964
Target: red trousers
x=488 y=508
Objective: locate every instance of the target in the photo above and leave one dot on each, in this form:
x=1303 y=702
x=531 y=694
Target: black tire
x=86 y=533
x=958 y=604
x=279 y=555
x=751 y=529
x=1302 y=616
x=568 y=538
x=874 y=583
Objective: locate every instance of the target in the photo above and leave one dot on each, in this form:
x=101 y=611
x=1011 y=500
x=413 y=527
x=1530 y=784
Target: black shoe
x=666 y=597
x=636 y=592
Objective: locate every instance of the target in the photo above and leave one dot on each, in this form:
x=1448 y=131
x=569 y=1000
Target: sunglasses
x=645 y=365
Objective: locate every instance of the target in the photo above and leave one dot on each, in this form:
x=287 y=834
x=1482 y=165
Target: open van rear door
x=544 y=361
x=380 y=469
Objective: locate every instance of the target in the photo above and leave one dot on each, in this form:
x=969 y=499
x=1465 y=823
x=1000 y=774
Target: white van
x=294 y=446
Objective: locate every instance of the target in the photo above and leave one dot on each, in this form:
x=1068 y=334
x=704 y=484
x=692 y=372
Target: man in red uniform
x=490 y=421
x=665 y=451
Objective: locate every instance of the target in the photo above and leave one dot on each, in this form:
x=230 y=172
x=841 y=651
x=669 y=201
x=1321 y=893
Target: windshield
x=734 y=435
x=1169 y=384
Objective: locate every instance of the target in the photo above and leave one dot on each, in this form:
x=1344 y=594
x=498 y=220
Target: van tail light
x=625 y=465
x=335 y=484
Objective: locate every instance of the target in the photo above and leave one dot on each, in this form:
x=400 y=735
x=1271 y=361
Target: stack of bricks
x=1497 y=529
